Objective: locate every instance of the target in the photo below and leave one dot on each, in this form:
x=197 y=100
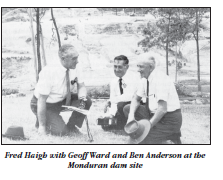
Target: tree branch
x=55 y=25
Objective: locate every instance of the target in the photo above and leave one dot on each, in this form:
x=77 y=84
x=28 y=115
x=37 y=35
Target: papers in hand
x=150 y=95
x=71 y=108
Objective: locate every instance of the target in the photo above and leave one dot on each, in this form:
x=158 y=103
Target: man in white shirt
x=162 y=105
x=54 y=89
x=122 y=88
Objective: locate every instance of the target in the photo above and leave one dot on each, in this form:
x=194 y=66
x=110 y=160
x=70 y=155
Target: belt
x=177 y=110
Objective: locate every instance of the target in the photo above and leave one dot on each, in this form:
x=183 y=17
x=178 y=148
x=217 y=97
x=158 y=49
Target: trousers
x=165 y=129
x=54 y=122
x=121 y=119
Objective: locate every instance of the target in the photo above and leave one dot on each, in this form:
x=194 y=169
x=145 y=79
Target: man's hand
x=82 y=103
x=133 y=107
x=110 y=116
x=41 y=112
x=130 y=118
x=108 y=104
x=42 y=130
x=160 y=112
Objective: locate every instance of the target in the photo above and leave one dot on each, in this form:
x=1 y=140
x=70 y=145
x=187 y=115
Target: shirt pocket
x=153 y=105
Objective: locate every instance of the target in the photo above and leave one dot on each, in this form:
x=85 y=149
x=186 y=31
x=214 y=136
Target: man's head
x=146 y=65
x=68 y=56
x=121 y=65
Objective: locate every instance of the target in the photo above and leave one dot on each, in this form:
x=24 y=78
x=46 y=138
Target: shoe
x=37 y=124
x=74 y=129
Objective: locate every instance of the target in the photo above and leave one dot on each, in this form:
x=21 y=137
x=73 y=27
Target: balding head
x=147 y=59
x=68 y=56
x=146 y=64
x=66 y=50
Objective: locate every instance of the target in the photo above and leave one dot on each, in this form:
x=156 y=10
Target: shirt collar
x=62 y=68
x=124 y=77
x=152 y=75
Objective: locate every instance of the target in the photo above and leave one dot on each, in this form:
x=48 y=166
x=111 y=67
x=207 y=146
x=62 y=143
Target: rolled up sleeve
x=44 y=83
x=162 y=89
x=141 y=89
x=80 y=74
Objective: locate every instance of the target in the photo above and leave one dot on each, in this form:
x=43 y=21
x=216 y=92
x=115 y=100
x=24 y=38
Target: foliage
x=182 y=90
x=173 y=27
x=69 y=30
x=126 y=10
x=42 y=12
x=152 y=36
x=170 y=28
x=194 y=82
x=99 y=92
x=112 y=28
x=7 y=91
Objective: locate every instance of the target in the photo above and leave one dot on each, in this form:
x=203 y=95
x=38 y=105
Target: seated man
x=122 y=88
x=162 y=104
x=54 y=90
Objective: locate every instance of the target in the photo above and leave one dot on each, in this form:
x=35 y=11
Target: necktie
x=147 y=98
x=68 y=99
x=120 y=85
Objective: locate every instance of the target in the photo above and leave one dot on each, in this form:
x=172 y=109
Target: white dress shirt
x=52 y=82
x=161 y=87
x=130 y=83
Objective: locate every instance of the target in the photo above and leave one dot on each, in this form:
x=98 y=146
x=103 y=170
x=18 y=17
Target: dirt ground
x=97 y=49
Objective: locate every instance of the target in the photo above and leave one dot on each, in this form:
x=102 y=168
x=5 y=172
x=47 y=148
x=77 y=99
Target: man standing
x=162 y=104
x=122 y=88
x=54 y=90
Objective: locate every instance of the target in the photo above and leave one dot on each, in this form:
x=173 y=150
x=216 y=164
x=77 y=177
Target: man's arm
x=41 y=113
x=161 y=111
x=133 y=107
x=111 y=103
x=81 y=90
x=130 y=89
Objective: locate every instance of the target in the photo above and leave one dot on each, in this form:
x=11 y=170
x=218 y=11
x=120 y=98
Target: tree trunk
x=176 y=65
x=38 y=40
x=198 y=56
x=42 y=47
x=167 y=71
x=33 y=42
x=55 y=25
x=167 y=46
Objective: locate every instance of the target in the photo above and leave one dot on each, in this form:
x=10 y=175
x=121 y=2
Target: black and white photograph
x=106 y=76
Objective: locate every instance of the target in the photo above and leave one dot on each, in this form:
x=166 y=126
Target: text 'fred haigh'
x=85 y=155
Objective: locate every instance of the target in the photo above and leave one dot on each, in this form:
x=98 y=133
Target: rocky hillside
x=98 y=38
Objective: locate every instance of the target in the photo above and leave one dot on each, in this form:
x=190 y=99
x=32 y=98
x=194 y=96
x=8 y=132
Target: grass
x=194 y=82
x=16 y=111
x=194 y=88
x=196 y=124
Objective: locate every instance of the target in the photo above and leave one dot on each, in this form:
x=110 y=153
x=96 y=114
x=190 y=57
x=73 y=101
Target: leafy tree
x=38 y=40
x=180 y=31
x=36 y=17
x=161 y=33
x=173 y=27
x=196 y=28
x=194 y=18
x=55 y=25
